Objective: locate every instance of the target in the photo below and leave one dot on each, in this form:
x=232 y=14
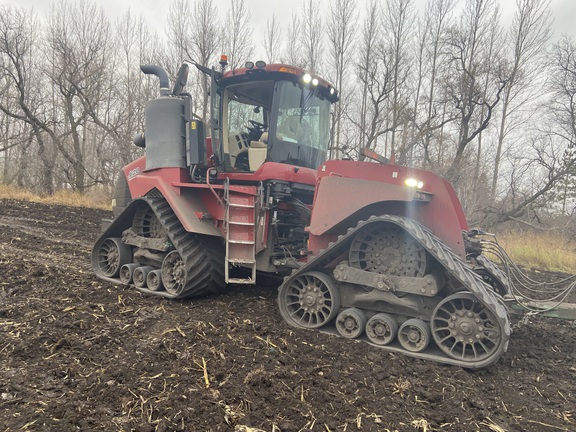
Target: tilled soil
x=77 y=353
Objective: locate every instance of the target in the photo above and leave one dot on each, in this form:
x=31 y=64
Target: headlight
x=415 y=183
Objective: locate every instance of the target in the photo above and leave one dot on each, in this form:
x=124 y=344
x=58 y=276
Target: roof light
x=306 y=78
x=314 y=81
x=332 y=91
x=260 y=64
x=223 y=61
x=249 y=65
x=289 y=70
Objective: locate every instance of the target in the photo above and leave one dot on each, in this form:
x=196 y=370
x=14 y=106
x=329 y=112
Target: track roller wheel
x=465 y=329
x=414 y=335
x=140 y=274
x=350 y=323
x=154 y=280
x=174 y=273
x=309 y=301
x=126 y=272
x=381 y=329
x=112 y=255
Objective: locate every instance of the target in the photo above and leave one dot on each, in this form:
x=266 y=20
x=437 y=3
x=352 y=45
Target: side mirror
x=181 y=79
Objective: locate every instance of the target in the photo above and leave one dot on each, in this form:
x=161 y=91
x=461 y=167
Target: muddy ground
x=77 y=353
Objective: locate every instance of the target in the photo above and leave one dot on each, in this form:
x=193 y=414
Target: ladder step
x=248 y=281
x=249 y=206
x=245 y=242
x=241 y=261
x=241 y=223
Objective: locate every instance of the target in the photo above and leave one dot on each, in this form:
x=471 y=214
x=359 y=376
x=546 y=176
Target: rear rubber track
x=470 y=281
x=203 y=256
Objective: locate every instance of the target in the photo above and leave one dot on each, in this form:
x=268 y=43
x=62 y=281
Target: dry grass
x=543 y=251
x=98 y=200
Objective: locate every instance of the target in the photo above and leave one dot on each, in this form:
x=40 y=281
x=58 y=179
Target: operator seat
x=257 y=152
x=289 y=128
x=295 y=129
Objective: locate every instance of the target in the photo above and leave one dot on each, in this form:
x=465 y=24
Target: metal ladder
x=240 y=224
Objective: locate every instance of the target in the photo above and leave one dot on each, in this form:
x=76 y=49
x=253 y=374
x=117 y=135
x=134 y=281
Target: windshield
x=301 y=125
x=302 y=117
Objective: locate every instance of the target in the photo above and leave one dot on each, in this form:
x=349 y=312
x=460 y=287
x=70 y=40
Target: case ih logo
x=133 y=173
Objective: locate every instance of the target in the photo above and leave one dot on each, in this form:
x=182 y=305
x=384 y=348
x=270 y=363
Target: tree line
x=449 y=86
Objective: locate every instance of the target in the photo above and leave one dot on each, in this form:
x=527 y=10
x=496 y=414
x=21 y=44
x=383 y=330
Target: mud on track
x=77 y=353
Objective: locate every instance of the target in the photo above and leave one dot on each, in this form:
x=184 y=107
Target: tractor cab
x=269 y=113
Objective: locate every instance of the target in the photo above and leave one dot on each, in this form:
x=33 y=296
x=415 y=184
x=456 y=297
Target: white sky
x=155 y=11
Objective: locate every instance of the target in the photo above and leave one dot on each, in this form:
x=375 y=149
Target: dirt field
x=80 y=354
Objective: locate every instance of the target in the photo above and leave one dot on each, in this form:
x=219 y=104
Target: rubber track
x=448 y=259
x=204 y=263
x=495 y=272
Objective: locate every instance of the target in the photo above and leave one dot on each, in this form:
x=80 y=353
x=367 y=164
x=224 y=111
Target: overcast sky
x=155 y=11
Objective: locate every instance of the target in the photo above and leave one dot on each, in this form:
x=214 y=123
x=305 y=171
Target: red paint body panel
x=186 y=204
x=349 y=191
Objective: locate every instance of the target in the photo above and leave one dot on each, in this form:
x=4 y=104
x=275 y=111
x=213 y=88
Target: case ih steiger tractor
x=368 y=250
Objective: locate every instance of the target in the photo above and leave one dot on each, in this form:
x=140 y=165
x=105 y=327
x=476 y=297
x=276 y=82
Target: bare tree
x=563 y=88
x=120 y=115
x=312 y=35
x=293 y=50
x=78 y=52
x=438 y=17
x=469 y=49
x=374 y=74
x=397 y=32
x=205 y=42
x=541 y=173
x=527 y=38
x=238 y=34
x=179 y=31
x=272 y=39
x=22 y=96
x=341 y=32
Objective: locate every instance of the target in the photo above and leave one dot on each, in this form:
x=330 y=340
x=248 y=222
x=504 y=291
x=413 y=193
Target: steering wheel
x=255 y=130
x=257 y=125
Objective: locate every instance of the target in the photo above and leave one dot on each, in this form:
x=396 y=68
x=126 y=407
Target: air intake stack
x=165 y=125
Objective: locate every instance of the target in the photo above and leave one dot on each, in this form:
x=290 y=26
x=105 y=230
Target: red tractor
x=366 y=250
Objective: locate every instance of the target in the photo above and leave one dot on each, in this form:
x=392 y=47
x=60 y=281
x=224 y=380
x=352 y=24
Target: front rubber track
x=469 y=280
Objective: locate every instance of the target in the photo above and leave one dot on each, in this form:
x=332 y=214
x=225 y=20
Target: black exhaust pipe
x=161 y=74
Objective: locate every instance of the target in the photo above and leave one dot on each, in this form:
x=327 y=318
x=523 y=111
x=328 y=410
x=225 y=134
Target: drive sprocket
x=387 y=249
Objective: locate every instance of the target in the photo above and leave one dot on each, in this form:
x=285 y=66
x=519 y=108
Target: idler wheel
x=309 y=301
x=174 y=273
x=465 y=329
x=112 y=255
